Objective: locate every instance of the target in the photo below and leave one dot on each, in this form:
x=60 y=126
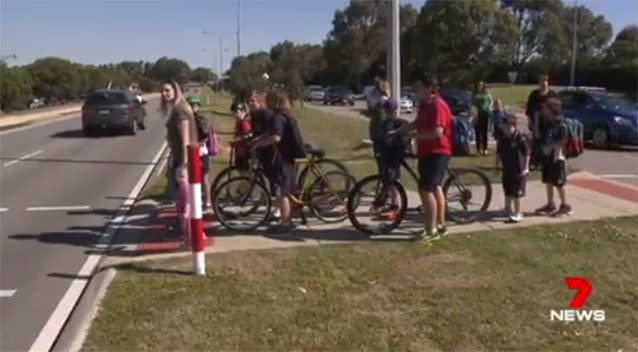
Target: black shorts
x=283 y=179
x=514 y=187
x=391 y=170
x=205 y=164
x=554 y=172
x=431 y=171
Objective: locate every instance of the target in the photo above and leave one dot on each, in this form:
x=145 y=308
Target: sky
x=103 y=31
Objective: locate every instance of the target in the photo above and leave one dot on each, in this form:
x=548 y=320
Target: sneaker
x=389 y=213
x=442 y=230
x=565 y=209
x=546 y=209
x=426 y=236
x=518 y=217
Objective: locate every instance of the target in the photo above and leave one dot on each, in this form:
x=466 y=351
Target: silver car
x=112 y=109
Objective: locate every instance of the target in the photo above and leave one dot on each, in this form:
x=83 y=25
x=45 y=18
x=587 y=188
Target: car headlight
x=622 y=121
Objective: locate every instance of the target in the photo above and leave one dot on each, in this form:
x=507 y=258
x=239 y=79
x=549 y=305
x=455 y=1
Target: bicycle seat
x=315 y=152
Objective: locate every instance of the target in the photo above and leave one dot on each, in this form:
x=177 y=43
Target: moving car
x=607 y=118
x=112 y=109
x=338 y=95
x=315 y=93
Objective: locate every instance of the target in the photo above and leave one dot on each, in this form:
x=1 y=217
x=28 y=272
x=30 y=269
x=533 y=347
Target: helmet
x=194 y=100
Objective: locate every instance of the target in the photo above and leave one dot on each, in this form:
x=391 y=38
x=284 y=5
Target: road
x=58 y=189
x=620 y=165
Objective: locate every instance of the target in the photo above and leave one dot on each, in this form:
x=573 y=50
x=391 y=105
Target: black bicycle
x=378 y=208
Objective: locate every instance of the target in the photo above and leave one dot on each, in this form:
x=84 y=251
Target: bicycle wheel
x=468 y=193
x=225 y=175
x=366 y=203
x=326 y=165
x=245 y=206
x=328 y=196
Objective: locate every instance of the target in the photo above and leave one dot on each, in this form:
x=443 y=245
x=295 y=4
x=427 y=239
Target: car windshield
x=613 y=102
x=106 y=99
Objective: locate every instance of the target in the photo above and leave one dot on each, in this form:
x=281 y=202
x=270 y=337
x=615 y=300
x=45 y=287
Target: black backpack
x=201 y=122
x=296 y=148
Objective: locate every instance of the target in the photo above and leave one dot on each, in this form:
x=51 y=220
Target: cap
x=194 y=100
x=390 y=105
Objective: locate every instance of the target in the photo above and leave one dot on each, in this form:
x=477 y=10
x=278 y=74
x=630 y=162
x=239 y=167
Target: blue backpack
x=463 y=135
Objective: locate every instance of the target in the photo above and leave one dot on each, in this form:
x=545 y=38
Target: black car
x=459 y=100
x=112 y=109
x=338 y=95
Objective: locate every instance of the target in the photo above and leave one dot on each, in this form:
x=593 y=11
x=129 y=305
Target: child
x=195 y=104
x=498 y=119
x=512 y=150
x=391 y=152
x=554 y=172
x=241 y=134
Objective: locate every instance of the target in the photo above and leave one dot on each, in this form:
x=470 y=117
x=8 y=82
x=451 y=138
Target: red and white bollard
x=198 y=238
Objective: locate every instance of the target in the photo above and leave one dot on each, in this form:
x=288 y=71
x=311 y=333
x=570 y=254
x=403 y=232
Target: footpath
x=145 y=235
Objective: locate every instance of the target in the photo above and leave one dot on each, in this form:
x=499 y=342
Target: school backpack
x=201 y=123
x=575 y=140
x=462 y=136
x=212 y=142
x=297 y=148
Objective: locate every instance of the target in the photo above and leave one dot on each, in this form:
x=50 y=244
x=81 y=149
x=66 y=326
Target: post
x=221 y=57
x=396 y=50
x=238 y=32
x=198 y=238
x=572 y=77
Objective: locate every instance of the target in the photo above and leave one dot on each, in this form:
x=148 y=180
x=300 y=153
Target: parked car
x=338 y=95
x=37 y=104
x=406 y=105
x=315 y=93
x=112 y=109
x=607 y=119
x=459 y=100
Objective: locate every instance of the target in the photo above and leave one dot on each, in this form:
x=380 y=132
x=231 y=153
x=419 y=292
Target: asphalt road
x=58 y=189
x=619 y=164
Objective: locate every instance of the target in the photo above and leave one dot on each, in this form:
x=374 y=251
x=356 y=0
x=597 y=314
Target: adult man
x=534 y=106
x=432 y=129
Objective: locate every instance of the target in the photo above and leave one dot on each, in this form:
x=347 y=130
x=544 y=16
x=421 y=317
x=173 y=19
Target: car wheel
x=132 y=129
x=89 y=132
x=600 y=138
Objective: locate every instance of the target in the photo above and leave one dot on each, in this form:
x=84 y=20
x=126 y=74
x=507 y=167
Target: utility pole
x=221 y=56
x=395 y=46
x=572 y=76
x=238 y=32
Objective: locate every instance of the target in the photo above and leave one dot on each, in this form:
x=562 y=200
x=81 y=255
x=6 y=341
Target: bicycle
x=369 y=196
x=243 y=203
x=232 y=170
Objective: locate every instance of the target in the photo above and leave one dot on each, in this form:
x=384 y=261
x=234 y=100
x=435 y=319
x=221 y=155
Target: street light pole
x=221 y=57
x=238 y=32
x=572 y=77
x=396 y=50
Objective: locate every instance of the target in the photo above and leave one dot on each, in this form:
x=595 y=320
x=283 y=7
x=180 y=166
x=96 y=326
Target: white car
x=317 y=94
x=406 y=105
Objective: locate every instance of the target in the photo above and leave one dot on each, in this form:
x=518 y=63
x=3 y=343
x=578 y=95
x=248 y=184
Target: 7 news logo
x=583 y=289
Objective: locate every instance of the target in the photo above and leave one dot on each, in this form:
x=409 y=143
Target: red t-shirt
x=242 y=127
x=432 y=114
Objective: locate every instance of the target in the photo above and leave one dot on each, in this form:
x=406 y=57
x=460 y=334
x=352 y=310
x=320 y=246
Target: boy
x=195 y=104
x=391 y=152
x=242 y=133
x=554 y=172
x=512 y=150
x=499 y=119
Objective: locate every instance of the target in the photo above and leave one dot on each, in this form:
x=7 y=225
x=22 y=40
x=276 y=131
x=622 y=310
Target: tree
x=624 y=49
x=359 y=37
x=464 y=38
x=203 y=75
x=530 y=16
x=54 y=78
x=246 y=72
x=593 y=31
x=167 y=69
x=15 y=90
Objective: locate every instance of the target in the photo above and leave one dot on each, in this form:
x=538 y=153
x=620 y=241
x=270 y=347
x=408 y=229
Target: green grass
x=489 y=291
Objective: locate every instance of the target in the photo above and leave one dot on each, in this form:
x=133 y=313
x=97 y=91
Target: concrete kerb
x=11 y=121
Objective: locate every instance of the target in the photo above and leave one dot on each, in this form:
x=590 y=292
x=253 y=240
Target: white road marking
x=623 y=176
x=60 y=208
x=2 y=210
x=38 y=124
x=9 y=163
x=7 y=293
x=55 y=323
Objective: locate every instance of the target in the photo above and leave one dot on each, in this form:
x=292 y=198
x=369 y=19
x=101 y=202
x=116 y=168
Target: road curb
x=77 y=327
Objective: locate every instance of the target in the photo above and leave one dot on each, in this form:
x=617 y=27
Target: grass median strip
x=480 y=292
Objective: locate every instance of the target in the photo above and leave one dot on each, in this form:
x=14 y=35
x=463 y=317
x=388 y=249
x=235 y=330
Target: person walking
x=535 y=123
x=482 y=101
x=180 y=132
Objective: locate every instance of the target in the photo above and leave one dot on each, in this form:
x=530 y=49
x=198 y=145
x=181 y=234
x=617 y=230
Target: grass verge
x=476 y=292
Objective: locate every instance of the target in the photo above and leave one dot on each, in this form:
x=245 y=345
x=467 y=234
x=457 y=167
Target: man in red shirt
x=432 y=129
